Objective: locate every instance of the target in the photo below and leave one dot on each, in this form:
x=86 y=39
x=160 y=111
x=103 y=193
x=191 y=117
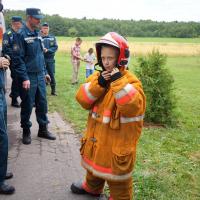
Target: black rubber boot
x=26 y=138
x=53 y=90
x=44 y=133
x=77 y=188
x=15 y=103
x=6 y=189
x=103 y=197
x=9 y=175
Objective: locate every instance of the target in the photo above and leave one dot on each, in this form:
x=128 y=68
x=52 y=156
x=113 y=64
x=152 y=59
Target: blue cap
x=1 y=6
x=45 y=24
x=16 y=19
x=34 y=12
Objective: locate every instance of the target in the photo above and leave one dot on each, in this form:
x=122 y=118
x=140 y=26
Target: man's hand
x=26 y=85
x=4 y=63
x=47 y=78
x=45 y=50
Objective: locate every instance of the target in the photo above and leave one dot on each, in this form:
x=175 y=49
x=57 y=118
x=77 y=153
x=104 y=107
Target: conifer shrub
x=158 y=84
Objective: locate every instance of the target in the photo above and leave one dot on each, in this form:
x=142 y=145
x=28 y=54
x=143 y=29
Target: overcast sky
x=160 y=10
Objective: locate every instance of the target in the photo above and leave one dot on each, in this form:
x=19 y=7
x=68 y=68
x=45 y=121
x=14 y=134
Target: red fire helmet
x=115 y=40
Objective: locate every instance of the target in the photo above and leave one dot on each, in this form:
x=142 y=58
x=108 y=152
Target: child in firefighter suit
x=116 y=104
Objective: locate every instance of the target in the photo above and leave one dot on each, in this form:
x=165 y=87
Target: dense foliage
x=92 y=27
x=158 y=86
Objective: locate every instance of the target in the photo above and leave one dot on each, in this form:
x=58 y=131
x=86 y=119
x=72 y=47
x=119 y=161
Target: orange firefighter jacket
x=108 y=147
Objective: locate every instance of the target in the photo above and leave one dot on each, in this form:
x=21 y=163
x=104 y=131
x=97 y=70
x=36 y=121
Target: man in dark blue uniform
x=50 y=47
x=4 y=188
x=16 y=24
x=30 y=68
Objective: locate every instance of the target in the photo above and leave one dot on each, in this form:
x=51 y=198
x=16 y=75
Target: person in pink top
x=76 y=58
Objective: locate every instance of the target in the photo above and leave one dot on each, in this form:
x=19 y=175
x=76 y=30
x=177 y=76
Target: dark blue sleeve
x=53 y=48
x=19 y=56
x=6 y=45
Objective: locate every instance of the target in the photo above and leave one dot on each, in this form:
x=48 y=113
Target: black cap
x=34 y=12
x=45 y=24
x=16 y=19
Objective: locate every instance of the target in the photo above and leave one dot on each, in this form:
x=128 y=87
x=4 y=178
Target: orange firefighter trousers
x=122 y=190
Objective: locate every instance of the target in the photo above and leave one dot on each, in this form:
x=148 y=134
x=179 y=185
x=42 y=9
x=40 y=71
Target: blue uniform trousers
x=3 y=137
x=14 y=86
x=36 y=95
x=50 y=66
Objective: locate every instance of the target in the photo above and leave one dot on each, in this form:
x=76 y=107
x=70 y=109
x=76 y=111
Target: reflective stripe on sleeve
x=86 y=93
x=125 y=94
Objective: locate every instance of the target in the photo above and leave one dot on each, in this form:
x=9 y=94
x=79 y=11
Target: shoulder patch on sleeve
x=5 y=42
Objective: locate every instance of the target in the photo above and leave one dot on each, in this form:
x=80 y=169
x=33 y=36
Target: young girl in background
x=89 y=58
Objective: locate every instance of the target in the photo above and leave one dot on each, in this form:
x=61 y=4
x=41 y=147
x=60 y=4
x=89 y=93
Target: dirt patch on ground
x=195 y=156
x=152 y=125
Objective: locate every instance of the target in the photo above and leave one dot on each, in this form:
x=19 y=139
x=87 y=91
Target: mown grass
x=168 y=160
x=142 y=46
x=140 y=39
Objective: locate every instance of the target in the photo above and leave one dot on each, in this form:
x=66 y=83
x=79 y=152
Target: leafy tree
x=72 y=32
x=61 y=26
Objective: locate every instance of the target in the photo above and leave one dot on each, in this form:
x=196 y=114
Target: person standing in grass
x=31 y=72
x=75 y=59
x=4 y=187
x=50 y=48
x=7 y=45
x=89 y=58
x=116 y=103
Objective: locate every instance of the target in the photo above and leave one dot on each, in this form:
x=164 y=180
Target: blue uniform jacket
x=50 y=43
x=6 y=50
x=28 y=54
x=7 y=45
x=2 y=78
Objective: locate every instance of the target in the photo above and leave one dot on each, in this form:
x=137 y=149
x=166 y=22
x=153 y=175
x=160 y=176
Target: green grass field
x=168 y=160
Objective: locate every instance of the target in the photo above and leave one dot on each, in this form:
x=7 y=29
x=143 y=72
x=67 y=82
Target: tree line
x=73 y=27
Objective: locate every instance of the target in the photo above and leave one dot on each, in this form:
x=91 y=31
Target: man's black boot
x=53 y=90
x=44 y=133
x=6 y=189
x=26 y=137
x=15 y=103
x=9 y=175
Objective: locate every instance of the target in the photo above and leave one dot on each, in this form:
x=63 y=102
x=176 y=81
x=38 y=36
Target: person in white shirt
x=89 y=58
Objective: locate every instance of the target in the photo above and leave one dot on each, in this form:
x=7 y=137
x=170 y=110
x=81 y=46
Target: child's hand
x=106 y=75
x=81 y=58
x=114 y=71
x=104 y=78
x=115 y=74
